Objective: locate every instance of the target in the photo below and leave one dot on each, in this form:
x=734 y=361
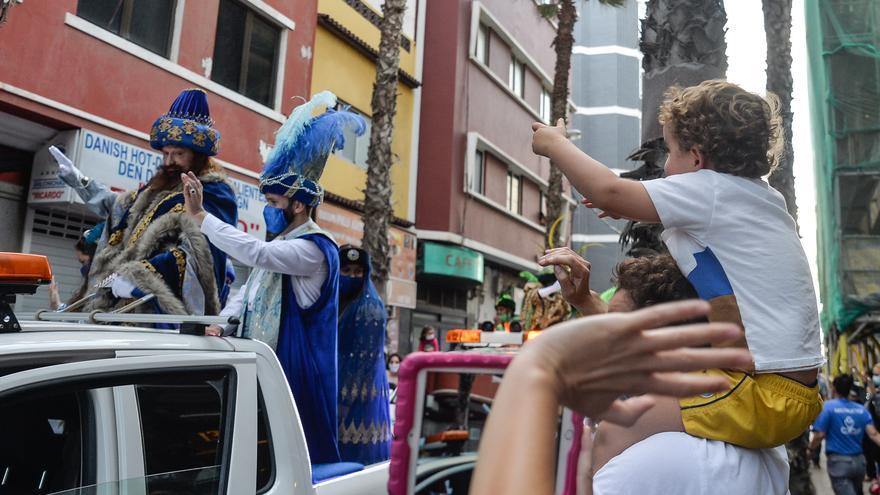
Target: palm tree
x=777 y=29
x=566 y=16
x=377 y=196
x=5 y=5
x=682 y=44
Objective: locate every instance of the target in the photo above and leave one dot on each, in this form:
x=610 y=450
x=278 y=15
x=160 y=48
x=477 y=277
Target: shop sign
x=451 y=261
x=123 y=167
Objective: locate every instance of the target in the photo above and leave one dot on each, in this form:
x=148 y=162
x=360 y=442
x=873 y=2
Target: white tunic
x=299 y=258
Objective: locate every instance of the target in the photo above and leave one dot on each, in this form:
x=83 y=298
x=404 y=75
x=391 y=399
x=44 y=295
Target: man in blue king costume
x=149 y=246
x=290 y=299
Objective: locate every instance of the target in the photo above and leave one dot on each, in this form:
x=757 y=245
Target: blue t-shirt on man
x=843 y=423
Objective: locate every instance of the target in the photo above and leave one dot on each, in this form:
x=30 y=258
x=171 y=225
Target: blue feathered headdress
x=302 y=145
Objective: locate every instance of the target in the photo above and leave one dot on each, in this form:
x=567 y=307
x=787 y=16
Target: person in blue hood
x=364 y=417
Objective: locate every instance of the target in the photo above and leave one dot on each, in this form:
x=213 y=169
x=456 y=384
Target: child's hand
x=602 y=213
x=546 y=137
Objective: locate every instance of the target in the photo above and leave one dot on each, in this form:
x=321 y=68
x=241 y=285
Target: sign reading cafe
x=123 y=167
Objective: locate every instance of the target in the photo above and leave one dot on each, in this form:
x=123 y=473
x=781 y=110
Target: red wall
x=41 y=54
x=459 y=98
x=441 y=131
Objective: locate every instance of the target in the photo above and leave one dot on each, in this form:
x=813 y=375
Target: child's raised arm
x=603 y=188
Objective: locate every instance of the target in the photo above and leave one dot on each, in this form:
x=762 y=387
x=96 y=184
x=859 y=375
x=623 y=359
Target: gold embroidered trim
x=149 y=266
x=189 y=127
x=145 y=222
x=180 y=258
x=165 y=124
x=175 y=134
x=115 y=238
x=364 y=434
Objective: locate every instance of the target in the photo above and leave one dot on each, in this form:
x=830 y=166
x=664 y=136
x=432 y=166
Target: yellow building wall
x=340 y=68
x=363 y=29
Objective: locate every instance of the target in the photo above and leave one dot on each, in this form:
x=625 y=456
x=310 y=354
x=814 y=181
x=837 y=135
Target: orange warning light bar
x=463 y=336
x=448 y=436
x=24 y=269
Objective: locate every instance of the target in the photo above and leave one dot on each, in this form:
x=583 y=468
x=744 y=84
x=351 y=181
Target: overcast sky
x=746 y=49
x=746 y=57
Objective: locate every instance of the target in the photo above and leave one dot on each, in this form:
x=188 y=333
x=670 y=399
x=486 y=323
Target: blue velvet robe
x=364 y=416
x=307 y=351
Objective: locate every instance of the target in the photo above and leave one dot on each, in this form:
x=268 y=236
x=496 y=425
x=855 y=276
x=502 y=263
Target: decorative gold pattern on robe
x=145 y=221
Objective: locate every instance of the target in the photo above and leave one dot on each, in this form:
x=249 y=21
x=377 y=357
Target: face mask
x=504 y=318
x=84 y=270
x=430 y=337
x=349 y=286
x=876 y=380
x=276 y=221
x=393 y=367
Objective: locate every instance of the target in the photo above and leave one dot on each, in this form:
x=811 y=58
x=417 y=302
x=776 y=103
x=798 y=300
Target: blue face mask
x=276 y=222
x=84 y=270
x=349 y=286
x=876 y=380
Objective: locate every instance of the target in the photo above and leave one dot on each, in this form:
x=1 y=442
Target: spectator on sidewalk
x=428 y=339
x=843 y=423
x=872 y=451
x=85 y=252
x=392 y=367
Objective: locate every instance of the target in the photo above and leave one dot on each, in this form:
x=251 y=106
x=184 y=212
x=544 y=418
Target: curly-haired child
x=731 y=236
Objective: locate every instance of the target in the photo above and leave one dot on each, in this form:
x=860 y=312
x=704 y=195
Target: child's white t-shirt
x=733 y=238
x=675 y=462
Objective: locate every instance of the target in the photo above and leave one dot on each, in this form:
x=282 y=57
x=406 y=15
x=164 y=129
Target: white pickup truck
x=95 y=409
x=89 y=409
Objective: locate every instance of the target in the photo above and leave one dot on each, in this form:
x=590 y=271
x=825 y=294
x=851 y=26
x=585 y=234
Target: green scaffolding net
x=844 y=60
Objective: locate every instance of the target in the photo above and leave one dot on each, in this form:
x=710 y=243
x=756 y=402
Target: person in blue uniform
x=364 y=417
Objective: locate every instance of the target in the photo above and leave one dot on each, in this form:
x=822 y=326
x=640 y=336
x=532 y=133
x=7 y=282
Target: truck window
x=49 y=435
x=183 y=425
x=265 y=455
x=43 y=437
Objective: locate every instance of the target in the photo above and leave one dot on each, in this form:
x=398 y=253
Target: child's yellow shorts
x=759 y=411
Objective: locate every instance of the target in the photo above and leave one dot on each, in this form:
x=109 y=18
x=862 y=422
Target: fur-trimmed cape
x=154 y=224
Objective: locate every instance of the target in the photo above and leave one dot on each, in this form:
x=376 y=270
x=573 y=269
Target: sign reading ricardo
x=126 y=167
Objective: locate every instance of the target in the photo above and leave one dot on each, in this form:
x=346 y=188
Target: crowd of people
x=751 y=350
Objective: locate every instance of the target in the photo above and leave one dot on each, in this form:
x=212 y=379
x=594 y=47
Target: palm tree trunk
x=682 y=44
x=562 y=43
x=777 y=28
x=5 y=5
x=377 y=196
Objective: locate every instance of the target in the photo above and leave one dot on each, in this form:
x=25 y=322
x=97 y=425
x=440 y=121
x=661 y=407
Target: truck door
x=184 y=423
